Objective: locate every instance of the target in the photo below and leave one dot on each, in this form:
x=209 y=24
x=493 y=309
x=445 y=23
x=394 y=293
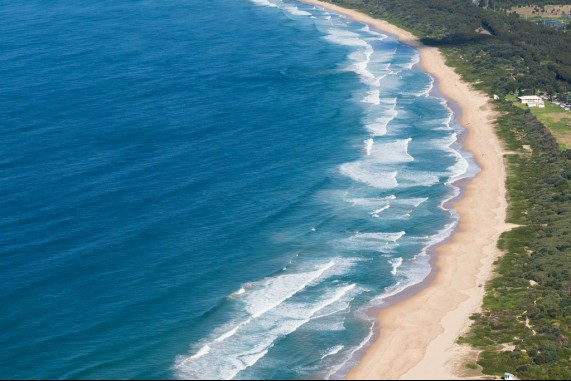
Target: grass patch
x=556 y=119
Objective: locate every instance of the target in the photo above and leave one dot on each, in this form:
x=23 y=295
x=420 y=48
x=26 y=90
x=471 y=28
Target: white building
x=532 y=101
x=530 y=98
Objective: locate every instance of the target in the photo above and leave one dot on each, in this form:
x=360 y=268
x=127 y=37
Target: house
x=529 y=98
x=532 y=101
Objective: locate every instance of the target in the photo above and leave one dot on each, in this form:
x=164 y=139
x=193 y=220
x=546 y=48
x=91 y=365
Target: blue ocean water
x=216 y=189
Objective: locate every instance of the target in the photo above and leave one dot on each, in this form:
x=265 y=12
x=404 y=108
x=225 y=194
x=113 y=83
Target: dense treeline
x=525 y=324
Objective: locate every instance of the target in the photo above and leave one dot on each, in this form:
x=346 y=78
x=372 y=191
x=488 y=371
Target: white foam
x=373 y=97
x=416 y=202
x=392 y=290
x=379 y=79
x=445 y=142
x=416 y=271
x=342 y=304
x=389 y=237
x=394 y=152
x=250 y=358
x=368 y=77
x=418 y=178
x=375 y=213
x=442 y=234
x=371 y=201
x=384 y=56
x=237 y=293
x=379 y=125
x=447 y=122
x=199 y=369
x=426 y=91
x=459 y=169
x=361 y=57
x=302 y=315
x=383 y=243
x=365 y=341
x=202 y=352
x=333 y=351
x=333 y=310
x=274 y=291
x=395 y=263
x=369 y=146
x=390 y=101
x=367 y=29
x=264 y=3
x=374 y=177
x=409 y=65
x=361 y=65
x=231 y=332
x=296 y=11
x=225 y=359
x=337 y=295
x=346 y=38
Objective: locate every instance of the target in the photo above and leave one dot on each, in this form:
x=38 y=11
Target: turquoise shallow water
x=209 y=189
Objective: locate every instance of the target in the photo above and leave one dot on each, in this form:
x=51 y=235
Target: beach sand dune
x=418 y=334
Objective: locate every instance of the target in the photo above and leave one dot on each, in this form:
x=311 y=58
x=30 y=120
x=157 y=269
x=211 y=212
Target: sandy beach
x=418 y=334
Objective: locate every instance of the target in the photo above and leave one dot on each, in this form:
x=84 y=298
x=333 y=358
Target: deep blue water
x=188 y=190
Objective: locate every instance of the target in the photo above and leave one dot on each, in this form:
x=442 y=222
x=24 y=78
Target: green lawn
x=553 y=117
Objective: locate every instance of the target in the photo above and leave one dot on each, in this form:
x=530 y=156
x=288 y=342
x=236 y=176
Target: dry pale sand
x=417 y=335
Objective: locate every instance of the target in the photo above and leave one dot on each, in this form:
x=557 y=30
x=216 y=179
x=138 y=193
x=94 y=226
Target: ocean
x=210 y=189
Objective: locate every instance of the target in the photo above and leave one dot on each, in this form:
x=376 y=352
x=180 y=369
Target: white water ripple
x=226 y=359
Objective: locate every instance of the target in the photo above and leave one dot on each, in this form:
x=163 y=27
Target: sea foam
x=395 y=152
x=395 y=263
x=275 y=290
x=333 y=351
x=264 y=3
x=296 y=11
x=225 y=360
x=369 y=146
x=374 y=177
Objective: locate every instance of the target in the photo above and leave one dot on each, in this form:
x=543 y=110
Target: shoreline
x=419 y=328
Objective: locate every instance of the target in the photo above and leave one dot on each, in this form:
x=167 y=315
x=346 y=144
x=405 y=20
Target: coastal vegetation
x=525 y=324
